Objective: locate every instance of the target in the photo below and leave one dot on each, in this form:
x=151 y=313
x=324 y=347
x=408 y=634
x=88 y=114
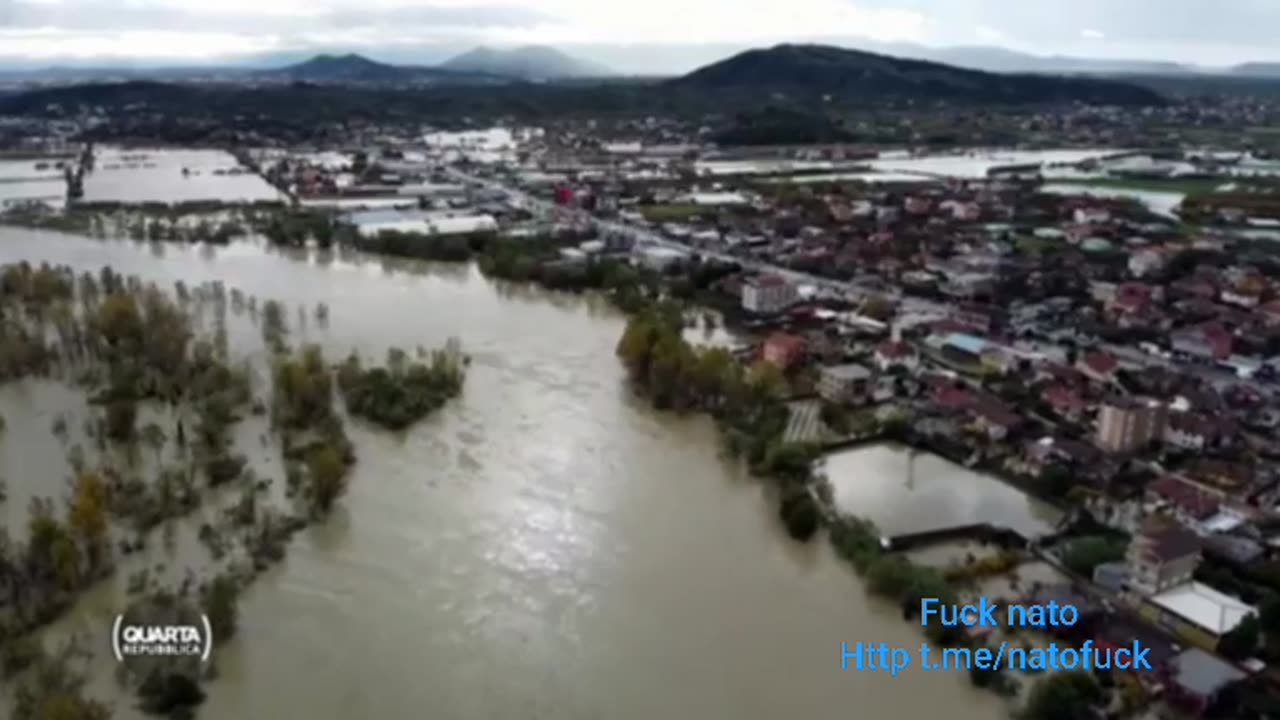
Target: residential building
x=1147 y=261
x=1210 y=341
x=995 y=418
x=1195 y=679
x=768 y=294
x=1196 y=613
x=657 y=257
x=1187 y=502
x=1091 y=215
x=1162 y=555
x=1098 y=366
x=783 y=350
x=1190 y=431
x=844 y=384
x=896 y=353
x=1127 y=424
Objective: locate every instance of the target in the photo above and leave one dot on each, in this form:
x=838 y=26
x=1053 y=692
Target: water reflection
x=904 y=491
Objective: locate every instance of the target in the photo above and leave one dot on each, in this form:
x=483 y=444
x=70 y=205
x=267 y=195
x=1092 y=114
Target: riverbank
x=748 y=407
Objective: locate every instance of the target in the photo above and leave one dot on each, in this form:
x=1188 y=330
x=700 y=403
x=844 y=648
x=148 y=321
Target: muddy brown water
x=544 y=547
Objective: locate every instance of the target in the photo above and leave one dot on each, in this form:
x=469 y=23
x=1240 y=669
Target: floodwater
x=544 y=547
x=1159 y=202
x=977 y=163
x=24 y=181
x=172 y=176
x=904 y=491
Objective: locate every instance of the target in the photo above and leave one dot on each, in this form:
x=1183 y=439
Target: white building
x=425 y=224
x=768 y=294
x=1147 y=262
x=656 y=257
x=1162 y=555
x=844 y=383
x=1203 y=607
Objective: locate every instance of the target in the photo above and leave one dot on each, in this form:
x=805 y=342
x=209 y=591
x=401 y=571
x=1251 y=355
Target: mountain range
x=534 y=62
x=479 y=65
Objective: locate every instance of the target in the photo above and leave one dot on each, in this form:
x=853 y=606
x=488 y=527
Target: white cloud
x=988 y=34
x=51 y=43
x=1091 y=34
x=84 y=27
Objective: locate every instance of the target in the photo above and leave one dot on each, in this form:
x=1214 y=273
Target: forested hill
x=805 y=70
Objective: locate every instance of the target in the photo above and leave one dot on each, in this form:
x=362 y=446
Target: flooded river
x=544 y=547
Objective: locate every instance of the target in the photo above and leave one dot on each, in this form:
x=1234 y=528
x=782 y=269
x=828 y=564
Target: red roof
x=996 y=412
x=1178 y=492
x=952 y=396
x=770 y=281
x=892 y=350
x=1100 y=363
x=949 y=325
x=1271 y=308
x=1217 y=337
x=1132 y=296
x=1064 y=398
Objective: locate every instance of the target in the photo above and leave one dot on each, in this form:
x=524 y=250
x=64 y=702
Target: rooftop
x=1202 y=673
x=1202 y=605
x=852 y=371
x=969 y=343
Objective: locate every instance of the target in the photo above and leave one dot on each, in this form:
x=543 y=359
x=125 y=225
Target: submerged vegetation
x=403 y=392
x=155 y=439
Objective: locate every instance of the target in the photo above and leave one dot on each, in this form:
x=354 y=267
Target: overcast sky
x=653 y=35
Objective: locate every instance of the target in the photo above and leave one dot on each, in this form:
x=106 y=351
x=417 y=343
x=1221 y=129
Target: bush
x=799 y=511
x=399 y=395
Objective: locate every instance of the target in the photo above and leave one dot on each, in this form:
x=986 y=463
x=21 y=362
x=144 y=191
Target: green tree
x=1056 y=479
x=87 y=516
x=1269 y=614
x=328 y=477
x=120 y=418
x=219 y=601
x=1062 y=696
x=1242 y=641
x=799 y=512
x=1085 y=554
x=119 y=321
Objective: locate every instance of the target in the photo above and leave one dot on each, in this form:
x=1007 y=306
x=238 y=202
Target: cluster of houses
x=1169 y=448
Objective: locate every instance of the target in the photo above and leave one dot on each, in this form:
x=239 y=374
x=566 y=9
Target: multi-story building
x=1163 y=555
x=1128 y=424
x=768 y=294
x=844 y=383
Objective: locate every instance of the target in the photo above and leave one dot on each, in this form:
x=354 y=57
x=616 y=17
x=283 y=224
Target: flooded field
x=1161 y=203
x=544 y=546
x=172 y=176
x=904 y=491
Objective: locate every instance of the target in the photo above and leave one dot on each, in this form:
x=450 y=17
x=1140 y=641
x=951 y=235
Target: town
x=1096 y=323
